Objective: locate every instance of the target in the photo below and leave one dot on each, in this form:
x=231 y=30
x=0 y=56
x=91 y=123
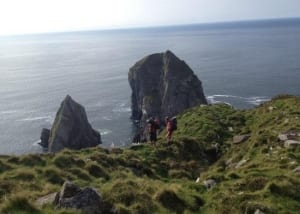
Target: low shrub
x=170 y=200
x=97 y=171
x=54 y=176
x=19 y=205
x=177 y=173
x=285 y=189
x=32 y=160
x=22 y=175
x=64 y=161
x=79 y=173
x=4 y=166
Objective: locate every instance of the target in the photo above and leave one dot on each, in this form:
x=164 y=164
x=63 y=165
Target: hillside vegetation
x=258 y=173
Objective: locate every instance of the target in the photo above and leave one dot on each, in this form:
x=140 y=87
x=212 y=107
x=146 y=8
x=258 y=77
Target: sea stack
x=71 y=128
x=162 y=85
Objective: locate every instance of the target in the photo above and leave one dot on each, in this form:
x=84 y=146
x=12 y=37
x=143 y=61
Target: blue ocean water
x=242 y=63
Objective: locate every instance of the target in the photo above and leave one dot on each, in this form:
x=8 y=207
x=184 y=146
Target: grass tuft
x=97 y=171
x=19 y=205
x=170 y=200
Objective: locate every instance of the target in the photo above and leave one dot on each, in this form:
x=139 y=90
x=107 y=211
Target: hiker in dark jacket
x=152 y=129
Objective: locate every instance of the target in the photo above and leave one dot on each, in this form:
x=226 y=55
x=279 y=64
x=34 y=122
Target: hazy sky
x=29 y=16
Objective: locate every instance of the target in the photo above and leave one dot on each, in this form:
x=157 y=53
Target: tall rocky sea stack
x=162 y=85
x=71 y=128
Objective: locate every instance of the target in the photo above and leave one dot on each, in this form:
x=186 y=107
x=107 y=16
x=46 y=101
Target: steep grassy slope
x=161 y=179
x=266 y=179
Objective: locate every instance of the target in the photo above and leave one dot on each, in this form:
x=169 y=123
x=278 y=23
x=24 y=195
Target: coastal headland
x=221 y=160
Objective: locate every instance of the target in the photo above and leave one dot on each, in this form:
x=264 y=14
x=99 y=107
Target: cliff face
x=71 y=128
x=162 y=84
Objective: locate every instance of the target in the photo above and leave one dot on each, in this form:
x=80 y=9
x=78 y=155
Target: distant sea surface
x=242 y=63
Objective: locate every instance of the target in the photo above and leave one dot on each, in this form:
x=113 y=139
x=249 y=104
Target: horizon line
x=212 y=23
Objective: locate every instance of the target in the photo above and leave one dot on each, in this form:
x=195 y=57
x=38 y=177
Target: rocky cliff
x=71 y=128
x=162 y=84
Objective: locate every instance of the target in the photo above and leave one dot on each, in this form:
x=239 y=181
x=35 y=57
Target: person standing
x=152 y=129
x=169 y=127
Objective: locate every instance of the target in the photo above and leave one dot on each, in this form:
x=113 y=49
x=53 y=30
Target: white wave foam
x=107 y=118
x=122 y=108
x=256 y=100
x=104 y=131
x=112 y=145
x=227 y=96
x=36 y=143
x=46 y=118
x=8 y=112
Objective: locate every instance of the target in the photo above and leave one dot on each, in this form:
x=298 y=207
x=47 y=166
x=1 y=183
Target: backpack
x=174 y=123
x=157 y=124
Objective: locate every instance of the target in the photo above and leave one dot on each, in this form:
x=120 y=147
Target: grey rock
x=240 y=138
x=87 y=199
x=71 y=128
x=44 y=137
x=297 y=169
x=68 y=190
x=210 y=183
x=258 y=211
x=283 y=137
x=232 y=165
x=291 y=135
x=47 y=199
x=228 y=162
x=289 y=143
x=242 y=162
x=271 y=108
x=162 y=84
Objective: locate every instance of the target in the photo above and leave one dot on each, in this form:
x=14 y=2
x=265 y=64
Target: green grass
x=161 y=179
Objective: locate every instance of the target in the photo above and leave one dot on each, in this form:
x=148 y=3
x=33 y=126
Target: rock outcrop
x=45 y=134
x=71 y=128
x=162 y=85
x=240 y=138
x=71 y=196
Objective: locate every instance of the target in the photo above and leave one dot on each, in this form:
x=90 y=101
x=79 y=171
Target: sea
x=240 y=63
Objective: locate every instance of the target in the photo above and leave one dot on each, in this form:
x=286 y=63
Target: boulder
x=283 y=137
x=289 y=143
x=240 y=138
x=258 y=211
x=162 y=85
x=271 y=108
x=88 y=200
x=242 y=162
x=47 y=199
x=288 y=136
x=297 y=169
x=71 y=128
x=44 y=137
x=210 y=183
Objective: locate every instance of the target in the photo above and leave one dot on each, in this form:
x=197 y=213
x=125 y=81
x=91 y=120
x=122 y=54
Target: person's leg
x=168 y=136
x=171 y=133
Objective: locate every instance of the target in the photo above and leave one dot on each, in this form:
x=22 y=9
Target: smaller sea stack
x=71 y=128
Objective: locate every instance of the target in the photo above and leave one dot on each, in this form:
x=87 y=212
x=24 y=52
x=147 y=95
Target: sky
x=37 y=16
